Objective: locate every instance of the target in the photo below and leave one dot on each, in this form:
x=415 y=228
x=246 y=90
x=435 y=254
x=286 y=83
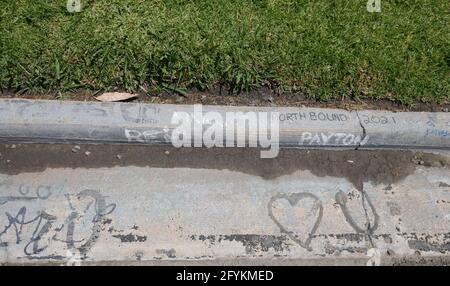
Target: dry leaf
x=115 y=96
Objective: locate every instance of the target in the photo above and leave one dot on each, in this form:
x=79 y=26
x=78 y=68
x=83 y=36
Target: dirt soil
x=260 y=97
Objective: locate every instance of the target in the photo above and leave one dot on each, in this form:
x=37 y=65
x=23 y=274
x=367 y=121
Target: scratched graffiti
x=314 y=213
x=293 y=200
x=140 y=114
x=27 y=221
x=313 y=116
x=434 y=130
x=148 y=135
x=332 y=139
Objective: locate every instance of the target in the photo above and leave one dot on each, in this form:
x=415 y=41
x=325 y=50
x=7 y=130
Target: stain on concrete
x=429 y=242
x=385 y=167
x=336 y=250
x=428 y=246
x=139 y=255
x=170 y=253
x=107 y=221
x=394 y=208
x=420 y=261
x=354 y=237
x=129 y=238
x=388 y=239
x=48 y=257
x=252 y=242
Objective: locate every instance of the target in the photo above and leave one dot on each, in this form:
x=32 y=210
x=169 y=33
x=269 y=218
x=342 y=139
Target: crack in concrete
x=363 y=130
x=366 y=213
x=364 y=194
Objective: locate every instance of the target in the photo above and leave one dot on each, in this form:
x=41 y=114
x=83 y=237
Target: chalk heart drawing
x=298 y=215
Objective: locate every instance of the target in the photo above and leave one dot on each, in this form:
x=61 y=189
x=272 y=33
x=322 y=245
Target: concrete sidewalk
x=146 y=205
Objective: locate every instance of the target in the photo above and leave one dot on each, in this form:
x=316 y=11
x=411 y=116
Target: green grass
x=330 y=49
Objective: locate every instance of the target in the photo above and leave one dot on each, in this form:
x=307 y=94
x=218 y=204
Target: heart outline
x=293 y=200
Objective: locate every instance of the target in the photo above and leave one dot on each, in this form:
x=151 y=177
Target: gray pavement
x=101 y=183
x=124 y=204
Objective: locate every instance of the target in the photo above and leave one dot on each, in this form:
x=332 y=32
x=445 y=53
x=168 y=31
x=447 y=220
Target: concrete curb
x=26 y=121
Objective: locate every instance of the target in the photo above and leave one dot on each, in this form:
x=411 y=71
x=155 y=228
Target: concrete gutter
x=90 y=122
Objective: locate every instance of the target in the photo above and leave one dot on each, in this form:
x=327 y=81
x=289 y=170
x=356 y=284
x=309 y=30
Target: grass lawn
x=329 y=49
